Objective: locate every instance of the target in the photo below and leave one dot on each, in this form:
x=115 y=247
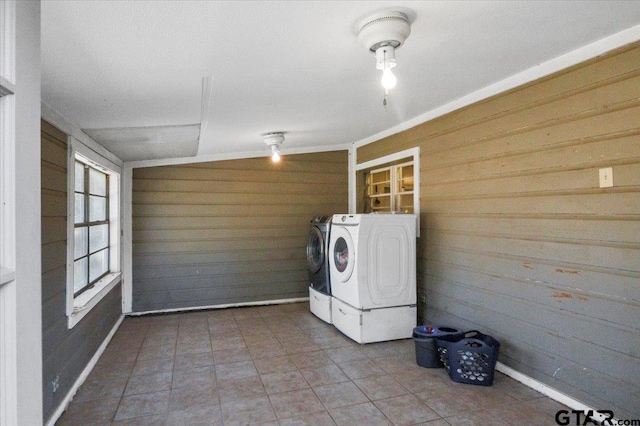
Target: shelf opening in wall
x=390 y=184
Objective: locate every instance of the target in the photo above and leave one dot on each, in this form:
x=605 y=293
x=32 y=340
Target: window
x=390 y=189
x=91 y=227
x=389 y=184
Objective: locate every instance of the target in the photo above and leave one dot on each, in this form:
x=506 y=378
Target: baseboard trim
x=83 y=376
x=552 y=393
x=223 y=306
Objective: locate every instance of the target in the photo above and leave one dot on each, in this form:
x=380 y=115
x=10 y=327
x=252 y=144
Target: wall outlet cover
x=606 y=177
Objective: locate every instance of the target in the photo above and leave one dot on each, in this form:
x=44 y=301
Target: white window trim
x=78 y=307
x=409 y=153
x=8 y=307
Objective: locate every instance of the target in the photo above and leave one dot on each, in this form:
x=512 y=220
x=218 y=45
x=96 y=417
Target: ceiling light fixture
x=383 y=33
x=273 y=140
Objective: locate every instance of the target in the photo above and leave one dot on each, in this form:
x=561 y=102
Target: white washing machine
x=373 y=275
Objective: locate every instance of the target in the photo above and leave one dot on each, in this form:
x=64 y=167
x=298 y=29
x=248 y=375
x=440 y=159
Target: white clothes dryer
x=373 y=259
x=373 y=276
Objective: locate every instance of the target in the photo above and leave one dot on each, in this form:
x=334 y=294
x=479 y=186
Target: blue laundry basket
x=469 y=358
x=424 y=337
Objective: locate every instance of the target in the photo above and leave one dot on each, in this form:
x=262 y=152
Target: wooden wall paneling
x=224 y=232
x=65 y=352
x=621 y=64
x=519 y=240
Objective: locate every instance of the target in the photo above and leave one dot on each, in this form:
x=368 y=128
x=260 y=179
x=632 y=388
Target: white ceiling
x=238 y=69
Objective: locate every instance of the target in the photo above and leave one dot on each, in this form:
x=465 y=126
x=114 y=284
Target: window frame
x=8 y=304
x=394 y=194
x=389 y=160
x=88 y=223
x=79 y=305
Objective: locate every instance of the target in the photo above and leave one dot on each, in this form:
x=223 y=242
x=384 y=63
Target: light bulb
x=275 y=157
x=388 y=79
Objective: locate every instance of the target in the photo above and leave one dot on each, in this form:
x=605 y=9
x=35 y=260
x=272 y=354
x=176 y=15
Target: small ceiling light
x=275 y=153
x=385 y=60
x=383 y=33
x=273 y=140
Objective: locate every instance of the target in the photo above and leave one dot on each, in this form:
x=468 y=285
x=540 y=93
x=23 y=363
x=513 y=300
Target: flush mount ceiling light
x=382 y=33
x=273 y=140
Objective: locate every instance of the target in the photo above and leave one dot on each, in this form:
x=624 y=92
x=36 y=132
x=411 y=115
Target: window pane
x=79 y=179
x=97 y=182
x=79 y=208
x=404 y=203
x=80 y=274
x=98 y=264
x=98 y=237
x=81 y=242
x=97 y=208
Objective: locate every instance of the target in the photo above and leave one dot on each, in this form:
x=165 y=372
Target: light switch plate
x=606 y=177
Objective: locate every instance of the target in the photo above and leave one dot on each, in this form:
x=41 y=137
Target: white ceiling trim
x=235 y=156
x=544 y=69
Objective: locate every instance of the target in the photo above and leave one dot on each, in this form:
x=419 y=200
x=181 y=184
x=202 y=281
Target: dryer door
x=315 y=250
x=343 y=254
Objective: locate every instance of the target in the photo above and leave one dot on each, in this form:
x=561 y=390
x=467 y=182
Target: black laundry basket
x=424 y=337
x=469 y=358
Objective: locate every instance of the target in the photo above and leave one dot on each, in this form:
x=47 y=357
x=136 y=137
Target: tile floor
x=280 y=365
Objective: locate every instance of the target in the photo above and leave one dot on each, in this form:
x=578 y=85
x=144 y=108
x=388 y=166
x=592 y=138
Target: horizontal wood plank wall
x=229 y=231
x=65 y=352
x=518 y=239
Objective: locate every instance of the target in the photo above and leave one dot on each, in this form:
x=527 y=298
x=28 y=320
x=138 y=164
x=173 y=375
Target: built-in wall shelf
x=390 y=189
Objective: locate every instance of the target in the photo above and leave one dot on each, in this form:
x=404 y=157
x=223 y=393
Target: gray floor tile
x=331 y=342
x=311 y=359
x=196 y=416
x=153 y=366
x=361 y=368
x=193 y=360
x=406 y=410
x=267 y=351
x=295 y=403
x=229 y=355
x=446 y=402
x=474 y=418
x=149 y=383
x=101 y=388
x=141 y=405
x=249 y=387
x=156 y=420
x=324 y=375
x=320 y=418
x=283 y=382
x=340 y=395
x=235 y=370
x=90 y=412
x=345 y=354
x=280 y=364
x=186 y=397
x=247 y=411
x=380 y=387
x=199 y=377
x=361 y=414
x=274 y=364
